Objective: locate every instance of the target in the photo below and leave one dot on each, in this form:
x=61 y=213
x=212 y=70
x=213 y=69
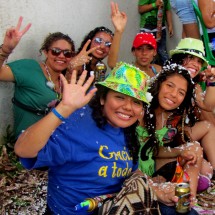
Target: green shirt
x=148 y=165
x=150 y=18
x=31 y=90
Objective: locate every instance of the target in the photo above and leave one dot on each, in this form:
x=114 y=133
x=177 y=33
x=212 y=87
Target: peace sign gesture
x=83 y=57
x=119 y=19
x=13 y=36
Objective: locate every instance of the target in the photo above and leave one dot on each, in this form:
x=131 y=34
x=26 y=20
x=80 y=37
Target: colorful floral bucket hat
x=191 y=46
x=129 y=80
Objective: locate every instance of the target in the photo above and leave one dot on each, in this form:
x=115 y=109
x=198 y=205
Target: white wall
x=73 y=17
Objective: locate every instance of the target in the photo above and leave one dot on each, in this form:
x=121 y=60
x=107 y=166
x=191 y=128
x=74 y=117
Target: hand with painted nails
x=13 y=36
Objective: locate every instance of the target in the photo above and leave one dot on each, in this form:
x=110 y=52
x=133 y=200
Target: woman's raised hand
x=13 y=36
x=119 y=19
x=75 y=93
x=209 y=74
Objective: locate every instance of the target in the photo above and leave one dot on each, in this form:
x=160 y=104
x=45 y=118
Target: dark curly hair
x=179 y=59
x=92 y=34
x=187 y=107
x=53 y=37
x=130 y=132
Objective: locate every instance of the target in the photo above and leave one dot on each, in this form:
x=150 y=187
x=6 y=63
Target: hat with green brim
x=190 y=46
x=129 y=80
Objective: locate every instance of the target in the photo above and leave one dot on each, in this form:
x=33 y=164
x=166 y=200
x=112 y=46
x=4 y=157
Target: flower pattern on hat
x=129 y=80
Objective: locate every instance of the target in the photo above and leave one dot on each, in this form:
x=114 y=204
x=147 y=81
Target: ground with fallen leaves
x=22 y=192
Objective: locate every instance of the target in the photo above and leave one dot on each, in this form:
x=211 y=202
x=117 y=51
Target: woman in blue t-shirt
x=89 y=149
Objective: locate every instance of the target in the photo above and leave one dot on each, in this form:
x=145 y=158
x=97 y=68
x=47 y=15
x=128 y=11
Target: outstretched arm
x=12 y=37
x=36 y=136
x=183 y=151
x=119 y=20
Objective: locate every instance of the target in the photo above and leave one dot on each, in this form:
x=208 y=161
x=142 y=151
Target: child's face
x=193 y=64
x=172 y=92
x=144 y=55
x=121 y=110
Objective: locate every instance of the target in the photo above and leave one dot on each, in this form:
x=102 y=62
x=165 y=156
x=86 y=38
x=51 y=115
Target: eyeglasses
x=57 y=52
x=99 y=41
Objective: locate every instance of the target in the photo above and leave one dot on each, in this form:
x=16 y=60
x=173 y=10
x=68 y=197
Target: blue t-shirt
x=84 y=161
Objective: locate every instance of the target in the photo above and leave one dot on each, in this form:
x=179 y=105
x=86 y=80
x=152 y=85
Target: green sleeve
x=168 y=6
x=142 y=134
x=143 y=2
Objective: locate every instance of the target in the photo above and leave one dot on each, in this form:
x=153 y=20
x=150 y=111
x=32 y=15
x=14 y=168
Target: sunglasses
x=57 y=52
x=99 y=41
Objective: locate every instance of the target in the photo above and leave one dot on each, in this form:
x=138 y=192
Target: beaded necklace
x=51 y=84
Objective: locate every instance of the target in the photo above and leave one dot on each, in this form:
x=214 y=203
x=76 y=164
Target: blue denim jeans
x=162 y=52
x=170 y=210
x=184 y=10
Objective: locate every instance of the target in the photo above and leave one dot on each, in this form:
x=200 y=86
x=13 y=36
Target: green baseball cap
x=129 y=80
x=190 y=46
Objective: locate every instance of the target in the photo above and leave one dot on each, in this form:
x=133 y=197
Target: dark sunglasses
x=99 y=41
x=57 y=52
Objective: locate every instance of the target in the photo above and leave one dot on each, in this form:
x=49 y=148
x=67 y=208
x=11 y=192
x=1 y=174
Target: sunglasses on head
x=99 y=41
x=57 y=52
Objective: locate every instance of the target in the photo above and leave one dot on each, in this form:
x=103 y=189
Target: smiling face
x=172 y=92
x=103 y=40
x=60 y=62
x=193 y=64
x=144 y=55
x=121 y=110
